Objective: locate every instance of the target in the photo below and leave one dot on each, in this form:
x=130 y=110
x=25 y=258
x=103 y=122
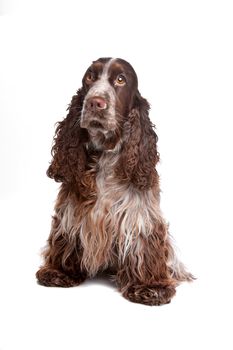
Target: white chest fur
x=121 y=210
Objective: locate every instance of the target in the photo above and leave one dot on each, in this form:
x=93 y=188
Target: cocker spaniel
x=107 y=214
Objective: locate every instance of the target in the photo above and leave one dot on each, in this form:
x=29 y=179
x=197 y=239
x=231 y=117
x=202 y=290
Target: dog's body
x=107 y=214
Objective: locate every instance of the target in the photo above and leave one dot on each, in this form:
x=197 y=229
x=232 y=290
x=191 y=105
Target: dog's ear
x=68 y=151
x=139 y=153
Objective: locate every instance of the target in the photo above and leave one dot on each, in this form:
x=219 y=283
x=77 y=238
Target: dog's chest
x=109 y=188
x=120 y=214
x=119 y=206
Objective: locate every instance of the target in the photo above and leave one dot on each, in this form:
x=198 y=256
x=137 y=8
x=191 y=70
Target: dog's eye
x=120 y=80
x=90 y=77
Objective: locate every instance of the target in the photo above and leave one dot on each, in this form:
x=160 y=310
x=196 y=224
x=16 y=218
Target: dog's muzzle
x=94 y=115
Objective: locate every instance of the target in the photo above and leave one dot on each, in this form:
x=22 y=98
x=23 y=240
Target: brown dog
x=107 y=214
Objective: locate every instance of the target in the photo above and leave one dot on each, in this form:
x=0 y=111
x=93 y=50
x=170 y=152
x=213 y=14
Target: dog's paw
x=54 y=278
x=149 y=295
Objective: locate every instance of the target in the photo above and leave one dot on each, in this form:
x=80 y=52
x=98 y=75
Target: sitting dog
x=107 y=214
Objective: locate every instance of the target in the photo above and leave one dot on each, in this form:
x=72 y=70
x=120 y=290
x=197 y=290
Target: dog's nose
x=97 y=103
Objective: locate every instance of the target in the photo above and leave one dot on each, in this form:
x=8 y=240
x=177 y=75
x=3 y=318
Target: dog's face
x=110 y=87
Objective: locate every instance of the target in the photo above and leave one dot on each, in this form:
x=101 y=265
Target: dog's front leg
x=144 y=276
x=62 y=258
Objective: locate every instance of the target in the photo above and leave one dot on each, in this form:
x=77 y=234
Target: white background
x=183 y=54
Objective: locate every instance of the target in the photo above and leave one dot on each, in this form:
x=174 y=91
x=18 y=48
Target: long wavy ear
x=69 y=157
x=139 y=154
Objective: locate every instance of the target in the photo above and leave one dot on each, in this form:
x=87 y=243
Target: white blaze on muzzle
x=102 y=88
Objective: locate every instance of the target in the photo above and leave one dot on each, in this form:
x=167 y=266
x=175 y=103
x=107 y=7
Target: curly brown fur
x=139 y=154
x=69 y=162
x=62 y=257
x=107 y=214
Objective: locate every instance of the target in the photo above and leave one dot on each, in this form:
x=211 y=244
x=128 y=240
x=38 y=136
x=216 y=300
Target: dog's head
x=107 y=113
x=110 y=87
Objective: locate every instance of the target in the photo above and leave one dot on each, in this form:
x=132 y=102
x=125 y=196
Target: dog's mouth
x=95 y=124
x=94 y=127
